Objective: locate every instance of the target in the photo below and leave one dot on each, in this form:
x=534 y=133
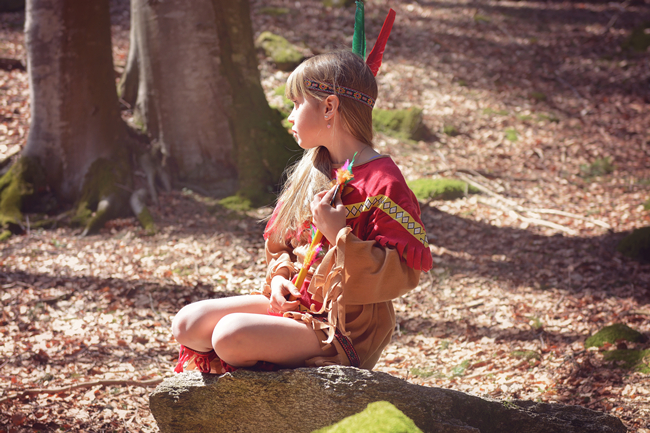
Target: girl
x=373 y=251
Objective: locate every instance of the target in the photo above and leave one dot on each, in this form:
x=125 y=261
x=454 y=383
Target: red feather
x=377 y=53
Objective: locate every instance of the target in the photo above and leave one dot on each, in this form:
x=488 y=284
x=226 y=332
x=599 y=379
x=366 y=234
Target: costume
x=378 y=257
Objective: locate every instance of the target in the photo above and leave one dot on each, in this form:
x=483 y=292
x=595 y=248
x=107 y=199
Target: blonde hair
x=312 y=173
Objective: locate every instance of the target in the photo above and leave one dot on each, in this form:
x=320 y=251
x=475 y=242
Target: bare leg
x=194 y=324
x=243 y=339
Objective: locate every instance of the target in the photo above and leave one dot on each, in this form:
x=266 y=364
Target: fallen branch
x=108 y=382
x=514 y=206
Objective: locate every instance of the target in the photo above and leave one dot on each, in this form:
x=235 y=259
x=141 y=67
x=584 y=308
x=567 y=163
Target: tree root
x=109 y=382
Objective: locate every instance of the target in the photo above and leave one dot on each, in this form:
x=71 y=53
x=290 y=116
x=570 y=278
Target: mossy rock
x=613 y=333
x=440 y=189
x=636 y=245
x=338 y=3
x=639 y=39
x=638 y=360
x=284 y=54
x=405 y=124
x=378 y=417
x=236 y=203
x=274 y=12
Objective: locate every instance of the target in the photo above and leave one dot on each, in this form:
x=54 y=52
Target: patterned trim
x=340 y=90
x=394 y=211
x=345 y=343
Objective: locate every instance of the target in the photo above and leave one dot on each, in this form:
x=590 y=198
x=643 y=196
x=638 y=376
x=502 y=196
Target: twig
x=109 y=382
x=536 y=220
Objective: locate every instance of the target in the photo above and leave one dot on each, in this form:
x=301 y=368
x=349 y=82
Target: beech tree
x=200 y=114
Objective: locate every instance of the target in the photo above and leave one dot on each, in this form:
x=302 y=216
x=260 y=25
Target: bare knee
x=230 y=339
x=180 y=324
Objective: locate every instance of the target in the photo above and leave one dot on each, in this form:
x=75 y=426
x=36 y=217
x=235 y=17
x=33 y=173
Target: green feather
x=359 y=38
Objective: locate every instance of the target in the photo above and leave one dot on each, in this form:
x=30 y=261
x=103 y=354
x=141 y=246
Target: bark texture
x=75 y=113
x=199 y=97
x=307 y=399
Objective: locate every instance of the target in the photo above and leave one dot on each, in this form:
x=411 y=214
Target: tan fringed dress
x=378 y=257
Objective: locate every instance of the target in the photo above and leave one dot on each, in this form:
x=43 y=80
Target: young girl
x=374 y=245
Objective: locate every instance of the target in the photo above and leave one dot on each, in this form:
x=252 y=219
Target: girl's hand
x=329 y=220
x=280 y=289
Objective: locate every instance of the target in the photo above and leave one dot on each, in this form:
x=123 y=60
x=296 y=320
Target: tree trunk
x=200 y=99
x=75 y=117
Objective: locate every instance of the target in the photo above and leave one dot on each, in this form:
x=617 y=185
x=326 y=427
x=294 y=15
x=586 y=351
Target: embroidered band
x=340 y=90
x=393 y=210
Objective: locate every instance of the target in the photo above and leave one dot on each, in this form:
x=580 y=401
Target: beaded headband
x=340 y=90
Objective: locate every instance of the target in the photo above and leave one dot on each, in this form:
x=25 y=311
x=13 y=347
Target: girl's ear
x=331 y=104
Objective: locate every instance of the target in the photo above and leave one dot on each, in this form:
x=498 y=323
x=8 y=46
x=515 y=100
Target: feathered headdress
x=359 y=39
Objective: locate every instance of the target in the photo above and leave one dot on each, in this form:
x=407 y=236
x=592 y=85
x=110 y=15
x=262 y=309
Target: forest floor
x=542 y=103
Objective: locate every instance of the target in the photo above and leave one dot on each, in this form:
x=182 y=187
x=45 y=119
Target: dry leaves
x=537 y=92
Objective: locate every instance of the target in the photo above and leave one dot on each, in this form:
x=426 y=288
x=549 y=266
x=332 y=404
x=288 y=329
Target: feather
x=359 y=37
x=376 y=55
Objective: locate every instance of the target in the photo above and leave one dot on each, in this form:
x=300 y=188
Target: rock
x=612 y=334
x=405 y=124
x=307 y=399
x=636 y=245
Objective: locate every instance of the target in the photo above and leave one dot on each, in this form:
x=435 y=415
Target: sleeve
x=280 y=261
x=372 y=273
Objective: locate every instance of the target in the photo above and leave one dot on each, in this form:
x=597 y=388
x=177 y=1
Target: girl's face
x=309 y=123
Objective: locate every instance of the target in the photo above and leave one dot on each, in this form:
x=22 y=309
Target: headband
x=340 y=90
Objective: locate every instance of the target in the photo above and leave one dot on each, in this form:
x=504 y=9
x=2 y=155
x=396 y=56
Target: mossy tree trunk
x=192 y=77
x=75 y=117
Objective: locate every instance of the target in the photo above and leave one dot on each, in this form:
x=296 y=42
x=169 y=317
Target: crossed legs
x=242 y=333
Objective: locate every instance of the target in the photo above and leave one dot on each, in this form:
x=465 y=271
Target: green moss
x=638 y=360
x=147 y=222
x=378 y=417
x=489 y=111
x=236 y=203
x=537 y=96
x=440 y=189
x=6 y=234
x=639 y=39
x=20 y=183
x=100 y=186
x=646 y=205
x=599 y=167
x=285 y=55
x=460 y=369
x=424 y=372
x=511 y=135
x=450 y=130
x=548 y=118
x=613 y=333
x=274 y=12
x=405 y=124
x=338 y=3
x=636 y=245
x=482 y=18
x=525 y=354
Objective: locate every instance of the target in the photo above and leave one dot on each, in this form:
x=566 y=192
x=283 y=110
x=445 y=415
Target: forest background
x=543 y=105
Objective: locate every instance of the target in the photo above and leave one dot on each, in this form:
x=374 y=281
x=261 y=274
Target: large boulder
x=306 y=399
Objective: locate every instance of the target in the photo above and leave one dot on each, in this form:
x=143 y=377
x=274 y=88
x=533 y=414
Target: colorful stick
x=343 y=176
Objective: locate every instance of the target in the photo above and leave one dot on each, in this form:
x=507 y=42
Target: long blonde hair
x=313 y=172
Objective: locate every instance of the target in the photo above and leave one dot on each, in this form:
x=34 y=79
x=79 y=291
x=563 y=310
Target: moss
x=639 y=39
x=337 y=3
x=489 y=111
x=646 y=205
x=525 y=354
x=146 y=220
x=100 y=198
x=6 y=234
x=274 y=12
x=636 y=245
x=285 y=55
x=511 y=135
x=21 y=183
x=405 y=124
x=537 y=96
x=599 y=167
x=378 y=417
x=440 y=189
x=638 y=360
x=450 y=130
x=236 y=203
x=613 y=333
